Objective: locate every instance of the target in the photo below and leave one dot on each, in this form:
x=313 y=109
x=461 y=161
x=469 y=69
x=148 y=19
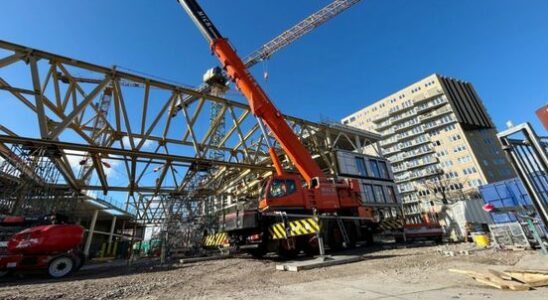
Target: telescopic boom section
x=260 y=104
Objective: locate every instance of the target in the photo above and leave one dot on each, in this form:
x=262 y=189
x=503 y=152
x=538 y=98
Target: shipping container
x=376 y=180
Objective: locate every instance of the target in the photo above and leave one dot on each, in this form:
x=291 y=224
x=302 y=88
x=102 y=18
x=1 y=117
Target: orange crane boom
x=260 y=104
x=282 y=191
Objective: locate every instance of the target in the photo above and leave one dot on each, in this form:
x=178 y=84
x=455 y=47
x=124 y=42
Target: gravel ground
x=239 y=278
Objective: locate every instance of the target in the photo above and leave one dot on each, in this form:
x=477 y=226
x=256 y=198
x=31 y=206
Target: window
x=499 y=161
x=454 y=137
x=471 y=170
x=391 y=195
x=442 y=153
x=450 y=127
x=437 y=143
x=281 y=188
x=445 y=164
x=459 y=148
x=379 y=194
x=451 y=174
x=464 y=159
x=434 y=132
x=360 y=164
x=475 y=182
x=505 y=172
x=368 y=190
x=374 y=168
x=291 y=187
x=384 y=170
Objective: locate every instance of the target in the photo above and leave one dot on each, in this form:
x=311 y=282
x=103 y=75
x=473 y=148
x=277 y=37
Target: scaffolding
x=28 y=183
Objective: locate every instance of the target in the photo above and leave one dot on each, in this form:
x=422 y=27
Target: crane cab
x=282 y=191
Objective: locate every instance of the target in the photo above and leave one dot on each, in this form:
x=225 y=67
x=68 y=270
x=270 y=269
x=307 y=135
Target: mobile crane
x=308 y=193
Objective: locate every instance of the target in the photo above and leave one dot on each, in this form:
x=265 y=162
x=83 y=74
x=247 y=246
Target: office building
x=440 y=141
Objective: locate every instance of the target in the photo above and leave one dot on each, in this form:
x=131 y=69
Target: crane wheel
x=334 y=236
x=61 y=266
x=352 y=233
x=259 y=252
x=285 y=251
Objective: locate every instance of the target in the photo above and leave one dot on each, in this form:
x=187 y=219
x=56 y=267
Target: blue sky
x=370 y=51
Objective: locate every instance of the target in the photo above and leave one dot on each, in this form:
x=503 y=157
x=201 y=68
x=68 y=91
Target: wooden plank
x=490 y=283
x=501 y=275
x=494 y=281
x=532 y=279
x=539 y=271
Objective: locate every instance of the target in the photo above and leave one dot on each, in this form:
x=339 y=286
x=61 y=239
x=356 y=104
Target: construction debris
x=533 y=278
x=516 y=280
x=205 y=258
x=454 y=253
x=319 y=262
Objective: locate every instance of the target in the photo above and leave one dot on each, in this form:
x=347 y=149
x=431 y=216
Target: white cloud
x=75 y=158
x=147 y=144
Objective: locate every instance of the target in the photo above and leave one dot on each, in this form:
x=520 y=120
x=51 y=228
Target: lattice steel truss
x=157 y=158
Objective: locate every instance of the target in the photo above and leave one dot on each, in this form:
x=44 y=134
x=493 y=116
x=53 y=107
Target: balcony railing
x=413 y=143
x=383 y=125
x=397 y=158
x=426 y=173
x=405 y=116
x=437 y=102
x=406 y=125
x=410 y=134
x=391 y=150
x=380 y=118
x=387 y=133
x=389 y=142
x=438 y=123
x=398 y=109
x=406 y=189
x=426 y=95
x=423 y=162
x=418 y=152
x=434 y=114
x=400 y=169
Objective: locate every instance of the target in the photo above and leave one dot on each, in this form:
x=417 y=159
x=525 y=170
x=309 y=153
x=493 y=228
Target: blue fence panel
x=499 y=218
x=505 y=194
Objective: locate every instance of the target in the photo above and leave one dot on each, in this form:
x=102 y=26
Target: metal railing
x=528 y=153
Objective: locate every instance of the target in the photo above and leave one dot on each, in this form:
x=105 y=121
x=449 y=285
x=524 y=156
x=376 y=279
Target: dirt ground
x=242 y=277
